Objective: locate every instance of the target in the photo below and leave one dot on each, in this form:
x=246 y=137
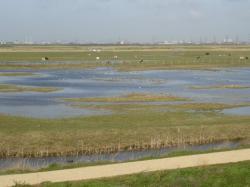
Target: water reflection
x=103 y=82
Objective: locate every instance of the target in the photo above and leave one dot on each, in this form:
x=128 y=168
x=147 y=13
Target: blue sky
x=130 y=20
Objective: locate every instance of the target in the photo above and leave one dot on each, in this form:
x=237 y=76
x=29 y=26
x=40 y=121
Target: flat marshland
x=125 y=58
x=146 y=97
x=134 y=128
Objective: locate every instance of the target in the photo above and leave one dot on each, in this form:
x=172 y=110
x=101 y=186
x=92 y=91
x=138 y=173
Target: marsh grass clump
x=5 y=88
x=124 y=108
x=16 y=74
x=230 y=86
x=133 y=97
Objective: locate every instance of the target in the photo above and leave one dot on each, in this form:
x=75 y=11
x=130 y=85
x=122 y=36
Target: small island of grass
x=16 y=74
x=133 y=97
x=6 y=88
x=230 y=86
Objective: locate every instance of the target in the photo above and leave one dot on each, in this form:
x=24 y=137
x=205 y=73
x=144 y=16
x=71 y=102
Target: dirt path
x=95 y=172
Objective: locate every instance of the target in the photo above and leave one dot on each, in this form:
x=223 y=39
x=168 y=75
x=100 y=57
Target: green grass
x=231 y=175
x=6 y=88
x=129 y=57
x=134 y=128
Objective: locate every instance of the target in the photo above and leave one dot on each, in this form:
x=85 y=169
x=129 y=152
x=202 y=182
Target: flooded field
x=97 y=115
x=106 y=82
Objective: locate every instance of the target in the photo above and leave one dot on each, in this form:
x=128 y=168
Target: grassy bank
x=125 y=58
x=7 y=88
x=236 y=174
x=133 y=128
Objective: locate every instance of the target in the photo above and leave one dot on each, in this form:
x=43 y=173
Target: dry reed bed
x=85 y=149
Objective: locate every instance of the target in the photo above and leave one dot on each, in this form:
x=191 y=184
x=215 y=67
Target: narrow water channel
x=38 y=163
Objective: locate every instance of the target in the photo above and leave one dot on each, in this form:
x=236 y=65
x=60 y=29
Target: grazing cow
x=45 y=58
x=244 y=58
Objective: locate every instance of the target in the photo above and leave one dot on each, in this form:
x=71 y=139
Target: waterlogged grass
x=236 y=174
x=132 y=129
x=127 y=58
x=230 y=86
x=133 y=97
x=206 y=106
x=16 y=74
x=6 y=88
x=191 y=107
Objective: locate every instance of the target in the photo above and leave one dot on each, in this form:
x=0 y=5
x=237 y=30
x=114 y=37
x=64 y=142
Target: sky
x=105 y=21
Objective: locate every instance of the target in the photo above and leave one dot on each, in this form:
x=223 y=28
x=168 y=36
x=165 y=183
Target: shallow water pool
x=106 y=82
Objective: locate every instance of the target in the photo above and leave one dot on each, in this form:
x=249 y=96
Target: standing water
x=105 y=82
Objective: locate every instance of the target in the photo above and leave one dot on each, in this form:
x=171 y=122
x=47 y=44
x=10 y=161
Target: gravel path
x=112 y=170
